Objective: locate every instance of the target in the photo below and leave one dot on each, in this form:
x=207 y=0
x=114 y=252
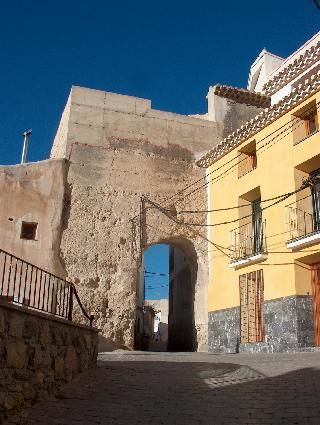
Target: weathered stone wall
x=119 y=150
x=38 y=353
x=289 y=323
x=33 y=193
x=224 y=331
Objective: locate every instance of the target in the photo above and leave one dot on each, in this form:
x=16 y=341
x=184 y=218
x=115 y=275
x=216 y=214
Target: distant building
x=160 y=337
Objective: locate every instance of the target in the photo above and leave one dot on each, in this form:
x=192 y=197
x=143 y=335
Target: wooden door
x=251 y=302
x=315 y=278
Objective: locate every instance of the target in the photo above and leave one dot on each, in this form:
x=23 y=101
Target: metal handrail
x=301 y=218
x=23 y=283
x=246 y=243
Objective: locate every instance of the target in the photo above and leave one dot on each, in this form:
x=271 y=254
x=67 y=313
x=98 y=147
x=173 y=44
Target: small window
x=305 y=123
x=247 y=159
x=29 y=231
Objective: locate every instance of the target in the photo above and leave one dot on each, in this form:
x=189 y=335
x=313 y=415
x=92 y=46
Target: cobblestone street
x=188 y=388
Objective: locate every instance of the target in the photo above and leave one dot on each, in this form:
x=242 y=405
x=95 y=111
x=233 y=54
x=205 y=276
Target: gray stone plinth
x=224 y=330
x=289 y=323
x=288 y=326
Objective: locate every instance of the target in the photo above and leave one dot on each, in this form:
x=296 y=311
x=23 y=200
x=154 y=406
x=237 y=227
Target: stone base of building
x=288 y=326
x=224 y=330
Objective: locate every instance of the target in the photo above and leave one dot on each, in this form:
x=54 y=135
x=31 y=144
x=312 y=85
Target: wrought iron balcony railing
x=303 y=218
x=248 y=240
x=22 y=283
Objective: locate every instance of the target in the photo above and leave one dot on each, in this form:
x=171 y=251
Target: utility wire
x=222 y=209
x=290 y=125
x=226 y=172
x=304 y=185
x=156 y=273
x=159 y=207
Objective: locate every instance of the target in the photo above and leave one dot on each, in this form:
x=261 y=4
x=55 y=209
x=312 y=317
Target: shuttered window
x=251 y=302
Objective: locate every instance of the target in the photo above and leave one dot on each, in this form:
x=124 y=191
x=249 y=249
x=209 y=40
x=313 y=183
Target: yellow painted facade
x=281 y=164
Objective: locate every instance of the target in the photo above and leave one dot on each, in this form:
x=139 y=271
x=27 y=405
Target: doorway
x=168 y=288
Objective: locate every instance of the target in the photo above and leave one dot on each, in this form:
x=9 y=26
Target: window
x=311 y=123
x=305 y=123
x=247 y=159
x=251 y=301
x=29 y=230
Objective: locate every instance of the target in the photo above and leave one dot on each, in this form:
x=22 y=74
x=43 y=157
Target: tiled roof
x=242 y=96
x=261 y=120
x=292 y=70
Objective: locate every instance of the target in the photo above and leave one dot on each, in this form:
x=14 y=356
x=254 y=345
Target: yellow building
x=264 y=230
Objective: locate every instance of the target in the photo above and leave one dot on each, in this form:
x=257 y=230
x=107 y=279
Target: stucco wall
x=33 y=193
x=38 y=353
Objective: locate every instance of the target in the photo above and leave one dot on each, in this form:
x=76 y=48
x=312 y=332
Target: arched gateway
x=113 y=186
x=181 y=332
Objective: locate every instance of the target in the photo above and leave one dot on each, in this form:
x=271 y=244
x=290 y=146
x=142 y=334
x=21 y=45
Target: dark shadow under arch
x=183 y=270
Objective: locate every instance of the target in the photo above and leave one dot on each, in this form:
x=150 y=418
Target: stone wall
x=224 y=330
x=33 y=193
x=288 y=326
x=289 y=323
x=120 y=149
x=38 y=353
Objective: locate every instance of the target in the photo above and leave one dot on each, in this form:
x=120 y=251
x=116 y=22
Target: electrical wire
x=223 y=209
x=227 y=172
x=156 y=273
x=283 y=197
x=290 y=125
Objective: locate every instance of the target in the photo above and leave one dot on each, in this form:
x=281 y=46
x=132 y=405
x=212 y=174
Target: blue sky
x=156 y=260
x=166 y=51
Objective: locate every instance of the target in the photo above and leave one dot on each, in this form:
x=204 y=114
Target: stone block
x=2 y=323
x=29 y=330
x=44 y=334
x=70 y=361
x=59 y=368
x=16 y=326
x=16 y=354
x=34 y=364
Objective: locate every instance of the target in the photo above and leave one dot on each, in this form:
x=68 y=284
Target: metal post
x=70 y=306
x=25 y=135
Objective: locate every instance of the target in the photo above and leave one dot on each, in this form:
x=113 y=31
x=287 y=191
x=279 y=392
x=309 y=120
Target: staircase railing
x=22 y=283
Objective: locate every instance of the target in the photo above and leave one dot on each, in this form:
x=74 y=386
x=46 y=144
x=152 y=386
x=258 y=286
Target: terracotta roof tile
x=242 y=95
x=304 y=61
x=261 y=120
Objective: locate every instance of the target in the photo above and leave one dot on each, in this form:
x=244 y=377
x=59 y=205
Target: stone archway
x=182 y=265
x=191 y=244
x=118 y=149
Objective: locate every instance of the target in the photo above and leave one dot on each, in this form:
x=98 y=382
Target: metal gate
x=251 y=302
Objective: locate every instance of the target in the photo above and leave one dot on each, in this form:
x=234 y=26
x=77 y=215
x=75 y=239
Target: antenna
x=25 y=135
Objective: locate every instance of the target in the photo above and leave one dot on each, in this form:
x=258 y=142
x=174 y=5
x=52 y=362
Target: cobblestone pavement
x=186 y=389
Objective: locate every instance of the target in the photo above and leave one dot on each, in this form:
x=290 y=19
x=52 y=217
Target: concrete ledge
x=47 y=316
x=304 y=241
x=257 y=258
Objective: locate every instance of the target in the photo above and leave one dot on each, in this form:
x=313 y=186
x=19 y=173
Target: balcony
x=247 y=244
x=303 y=222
